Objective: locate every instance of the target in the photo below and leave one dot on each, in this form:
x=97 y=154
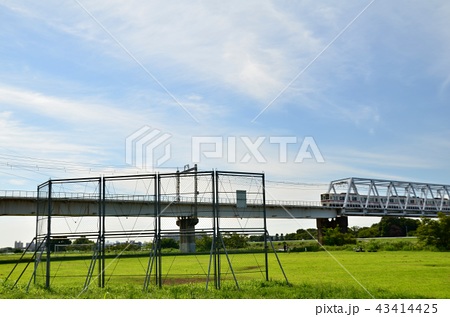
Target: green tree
x=169 y=243
x=308 y=234
x=235 y=241
x=435 y=232
x=203 y=243
x=259 y=238
x=369 y=232
x=83 y=240
x=397 y=227
x=147 y=246
x=334 y=236
x=124 y=246
x=81 y=244
x=290 y=236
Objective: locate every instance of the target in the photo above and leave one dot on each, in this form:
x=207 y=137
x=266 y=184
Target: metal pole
x=178 y=186
x=151 y=260
x=265 y=227
x=213 y=247
x=158 y=235
x=102 y=198
x=215 y=231
x=37 y=231
x=49 y=227
x=196 y=192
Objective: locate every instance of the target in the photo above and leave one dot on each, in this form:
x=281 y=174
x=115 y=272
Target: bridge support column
x=323 y=223
x=187 y=233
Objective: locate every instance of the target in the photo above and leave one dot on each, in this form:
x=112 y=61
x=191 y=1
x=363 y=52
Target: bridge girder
x=26 y=206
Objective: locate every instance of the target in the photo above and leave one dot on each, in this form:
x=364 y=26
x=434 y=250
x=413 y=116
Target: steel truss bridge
x=375 y=197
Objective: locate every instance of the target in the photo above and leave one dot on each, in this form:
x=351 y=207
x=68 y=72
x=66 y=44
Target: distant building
x=18 y=245
x=31 y=246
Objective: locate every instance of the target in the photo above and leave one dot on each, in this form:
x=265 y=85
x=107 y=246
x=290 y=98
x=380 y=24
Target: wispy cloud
x=20 y=138
x=78 y=112
x=227 y=46
x=207 y=51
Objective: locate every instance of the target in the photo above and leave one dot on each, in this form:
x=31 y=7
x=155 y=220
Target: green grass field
x=337 y=274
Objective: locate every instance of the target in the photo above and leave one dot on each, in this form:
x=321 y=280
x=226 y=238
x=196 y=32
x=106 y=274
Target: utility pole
x=187 y=223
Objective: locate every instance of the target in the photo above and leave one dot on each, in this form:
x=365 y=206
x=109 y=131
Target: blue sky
x=369 y=81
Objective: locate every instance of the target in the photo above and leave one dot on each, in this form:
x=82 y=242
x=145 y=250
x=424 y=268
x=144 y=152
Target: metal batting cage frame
x=212 y=206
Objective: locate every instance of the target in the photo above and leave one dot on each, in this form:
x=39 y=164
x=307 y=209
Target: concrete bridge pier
x=187 y=233
x=322 y=223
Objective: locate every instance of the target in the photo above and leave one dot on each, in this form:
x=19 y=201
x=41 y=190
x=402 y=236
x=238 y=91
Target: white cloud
x=17 y=137
x=253 y=47
x=82 y=112
x=250 y=49
x=47 y=133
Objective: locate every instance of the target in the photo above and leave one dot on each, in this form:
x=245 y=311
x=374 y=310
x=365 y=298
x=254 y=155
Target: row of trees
x=83 y=244
x=203 y=243
x=429 y=232
x=388 y=227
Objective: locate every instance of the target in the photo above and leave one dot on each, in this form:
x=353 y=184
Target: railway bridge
x=191 y=196
x=344 y=198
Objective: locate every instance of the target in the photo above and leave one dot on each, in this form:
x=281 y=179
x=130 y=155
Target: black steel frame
x=154 y=267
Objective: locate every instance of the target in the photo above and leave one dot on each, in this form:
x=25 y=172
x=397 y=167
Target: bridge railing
x=299 y=203
x=151 y=198
x=209 y=200
x=33 y=194
x=18 y=193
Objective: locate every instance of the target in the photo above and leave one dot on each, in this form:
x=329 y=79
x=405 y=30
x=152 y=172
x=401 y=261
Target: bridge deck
x=15 y=203
x=24 y=203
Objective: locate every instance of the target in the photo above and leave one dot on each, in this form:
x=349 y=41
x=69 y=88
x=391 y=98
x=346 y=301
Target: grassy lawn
x=399 y=274
x=338 y=274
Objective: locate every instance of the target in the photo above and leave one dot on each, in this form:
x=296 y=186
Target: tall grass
x=332 y=274
x=247 y=290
